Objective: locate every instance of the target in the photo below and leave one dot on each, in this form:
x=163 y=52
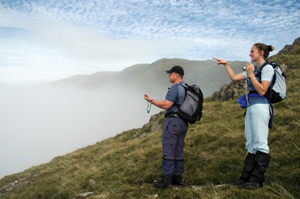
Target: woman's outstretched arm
x=229 y=71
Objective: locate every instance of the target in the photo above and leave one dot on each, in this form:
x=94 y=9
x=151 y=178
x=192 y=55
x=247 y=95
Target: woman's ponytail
x=270 y=48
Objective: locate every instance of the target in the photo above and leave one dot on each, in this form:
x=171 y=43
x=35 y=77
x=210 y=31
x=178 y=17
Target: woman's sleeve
x=267 y=73
x=245 y=74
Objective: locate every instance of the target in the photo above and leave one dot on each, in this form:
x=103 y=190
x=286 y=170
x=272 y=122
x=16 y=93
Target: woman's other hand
x=250 y=69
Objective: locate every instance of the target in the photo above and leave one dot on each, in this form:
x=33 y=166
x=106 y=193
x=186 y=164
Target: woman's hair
x=265 y=48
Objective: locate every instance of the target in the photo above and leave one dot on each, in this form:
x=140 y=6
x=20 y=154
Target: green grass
x=214 y=152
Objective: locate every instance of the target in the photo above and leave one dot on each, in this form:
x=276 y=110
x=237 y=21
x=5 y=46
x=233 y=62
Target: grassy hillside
x=121 y=167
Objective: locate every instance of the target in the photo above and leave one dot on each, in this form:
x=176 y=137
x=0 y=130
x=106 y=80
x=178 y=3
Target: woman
x=257 y=115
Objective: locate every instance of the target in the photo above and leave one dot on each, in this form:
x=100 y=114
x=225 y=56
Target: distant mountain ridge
x=152 y=78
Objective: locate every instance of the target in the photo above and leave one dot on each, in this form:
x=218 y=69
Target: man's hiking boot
x=177 y=180
x=240 y=182
x=252 y=184
x=165 y=183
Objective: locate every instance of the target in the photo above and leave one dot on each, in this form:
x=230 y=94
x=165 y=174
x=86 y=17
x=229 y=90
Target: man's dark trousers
x=174 y=132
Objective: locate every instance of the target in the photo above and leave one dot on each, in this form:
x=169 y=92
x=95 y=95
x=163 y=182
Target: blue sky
x=44 y=41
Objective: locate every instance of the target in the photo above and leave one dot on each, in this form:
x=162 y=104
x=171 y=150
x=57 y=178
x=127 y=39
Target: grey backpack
x=191 y=109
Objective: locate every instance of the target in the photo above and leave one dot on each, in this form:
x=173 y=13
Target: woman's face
x=254 y=53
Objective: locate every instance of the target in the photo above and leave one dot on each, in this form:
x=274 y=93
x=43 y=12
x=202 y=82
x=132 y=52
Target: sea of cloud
x=40 y=122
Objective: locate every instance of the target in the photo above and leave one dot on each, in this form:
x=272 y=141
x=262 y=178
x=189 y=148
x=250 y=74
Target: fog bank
x=40 y=122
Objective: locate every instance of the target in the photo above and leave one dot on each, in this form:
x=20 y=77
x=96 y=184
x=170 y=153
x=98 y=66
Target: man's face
x=172 y=77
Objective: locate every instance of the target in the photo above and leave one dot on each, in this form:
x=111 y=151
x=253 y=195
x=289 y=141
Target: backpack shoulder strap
x=260 y=70
x=185 y=86
x=264 y=64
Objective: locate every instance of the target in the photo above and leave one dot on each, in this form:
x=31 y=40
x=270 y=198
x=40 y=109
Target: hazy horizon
x=40 y=122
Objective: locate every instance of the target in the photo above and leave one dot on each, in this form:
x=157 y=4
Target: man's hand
x=147 y=98
x=160 y=104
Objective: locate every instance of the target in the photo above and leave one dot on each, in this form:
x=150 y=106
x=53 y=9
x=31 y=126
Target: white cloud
x=49 y=46
x=38 y=123
x=91 y=36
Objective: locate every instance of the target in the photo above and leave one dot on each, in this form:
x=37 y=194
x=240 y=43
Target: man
x=174 y=131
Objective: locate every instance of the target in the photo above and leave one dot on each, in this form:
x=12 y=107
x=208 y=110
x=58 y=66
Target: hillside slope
x=126 y=165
